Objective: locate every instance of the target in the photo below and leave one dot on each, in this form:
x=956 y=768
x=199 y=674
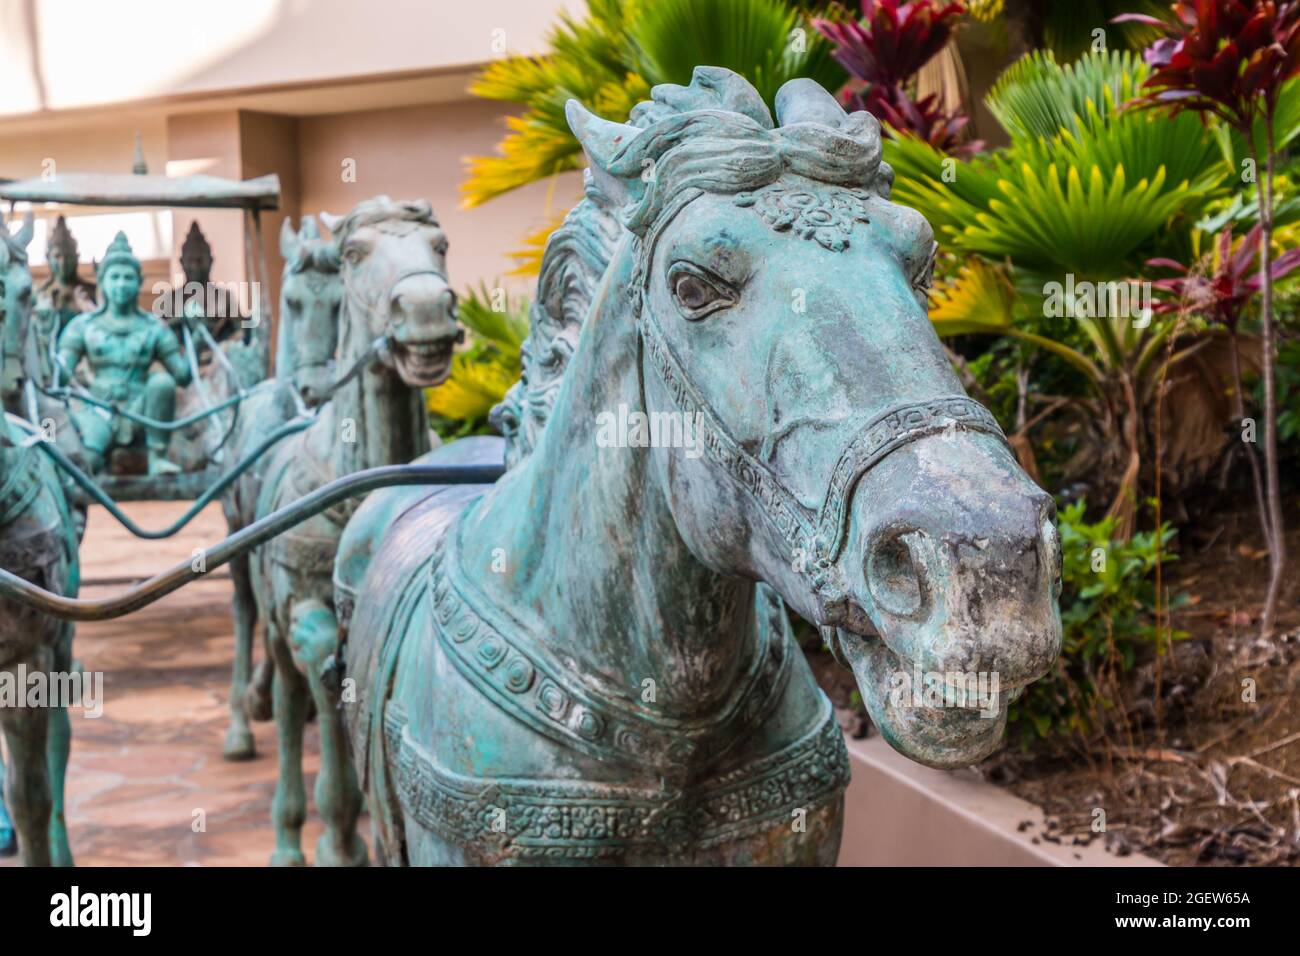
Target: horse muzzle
x=959 y=578
x=422 y=308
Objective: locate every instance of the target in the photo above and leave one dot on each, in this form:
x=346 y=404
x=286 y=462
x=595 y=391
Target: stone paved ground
x=140 y=771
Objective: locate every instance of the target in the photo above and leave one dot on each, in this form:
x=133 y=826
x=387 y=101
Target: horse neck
x=9 y=436
x=285 y=339
x=594 y=559
x=388 y=418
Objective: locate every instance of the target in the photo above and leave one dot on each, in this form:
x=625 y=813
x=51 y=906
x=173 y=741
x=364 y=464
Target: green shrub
x=1108 y=599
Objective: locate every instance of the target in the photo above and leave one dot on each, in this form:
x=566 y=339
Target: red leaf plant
x=1230 y=59
x=884 y=51
x=1221 y=296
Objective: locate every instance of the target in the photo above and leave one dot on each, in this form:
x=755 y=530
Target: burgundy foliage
x=884 y=50
x=1226 y=57
x=1222 y=295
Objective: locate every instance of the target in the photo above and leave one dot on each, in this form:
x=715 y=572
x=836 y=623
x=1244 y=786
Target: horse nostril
x=895 y=575
x=1050 y=552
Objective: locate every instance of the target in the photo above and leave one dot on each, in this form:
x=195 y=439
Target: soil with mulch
x=1199 y=763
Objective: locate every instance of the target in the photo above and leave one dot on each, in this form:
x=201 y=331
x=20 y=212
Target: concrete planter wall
x=898 y=813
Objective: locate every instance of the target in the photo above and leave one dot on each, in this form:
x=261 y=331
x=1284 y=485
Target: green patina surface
x=38 y=543
x=120 y=344
x=576 y=664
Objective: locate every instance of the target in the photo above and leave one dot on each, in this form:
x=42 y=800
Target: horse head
x=394 y=269
x=311 y=292
x=16 y=278
x=780 y=304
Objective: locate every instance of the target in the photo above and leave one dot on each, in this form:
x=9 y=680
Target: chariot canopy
x=142 y=189
x=134 y=189
x=253 y=196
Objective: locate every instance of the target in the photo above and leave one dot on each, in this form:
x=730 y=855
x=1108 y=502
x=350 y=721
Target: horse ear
x=603 y=142
x=332 y=222
x=601 y=139
x=288 y=239
x=806 y=101
x=27 y=231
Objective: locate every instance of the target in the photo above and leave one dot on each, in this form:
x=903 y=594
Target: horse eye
x=923 y=278
x=696 y=295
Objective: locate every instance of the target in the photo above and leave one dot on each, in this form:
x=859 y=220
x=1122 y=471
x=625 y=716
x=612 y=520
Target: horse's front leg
x=8 y=839
x=239 y=736
x=314 y=641
x=57 y=748
x=27 y=783
x=289 y=806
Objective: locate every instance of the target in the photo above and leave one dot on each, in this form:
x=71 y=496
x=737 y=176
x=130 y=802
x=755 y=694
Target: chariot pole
x=159 y=586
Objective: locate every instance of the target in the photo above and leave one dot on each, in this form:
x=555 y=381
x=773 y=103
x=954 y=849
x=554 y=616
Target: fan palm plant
x=482 y=373
x=1085 y=194
x=610 y=60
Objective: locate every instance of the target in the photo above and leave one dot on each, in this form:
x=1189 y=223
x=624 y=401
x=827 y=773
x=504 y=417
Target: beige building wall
x=292 y=87
x=418 y=152
x=60 y=55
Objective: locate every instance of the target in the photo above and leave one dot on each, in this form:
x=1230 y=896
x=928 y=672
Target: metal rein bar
x=305 y=418
x=14 y=588
x=64 y=393
x=87 y=484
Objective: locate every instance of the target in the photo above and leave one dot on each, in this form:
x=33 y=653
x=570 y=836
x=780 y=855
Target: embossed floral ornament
x=826 y=215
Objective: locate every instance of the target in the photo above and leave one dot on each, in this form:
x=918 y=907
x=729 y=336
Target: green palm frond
x=494 y=318
x=755 y=38
x=482 y=373
x=1091 y=198
x=610 y=60
x=1036 y=97
x=588 y=63
x=979 y=298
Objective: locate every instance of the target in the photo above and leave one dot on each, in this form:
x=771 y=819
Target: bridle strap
x=881 y=436
x=397 y=280
x=819 y=537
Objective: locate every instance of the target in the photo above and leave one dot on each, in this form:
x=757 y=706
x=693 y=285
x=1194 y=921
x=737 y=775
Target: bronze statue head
x=119 y=272
x=61 y=253
x=196 y=256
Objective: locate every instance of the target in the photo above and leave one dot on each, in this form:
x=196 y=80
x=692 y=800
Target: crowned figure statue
x=120 y=344
x=58 y=300
x=64 y=292
x=199 y=296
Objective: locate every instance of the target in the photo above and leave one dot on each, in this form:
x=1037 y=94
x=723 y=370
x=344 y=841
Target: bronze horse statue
x=397 y=326
x=311 y=291
x=733 y=401
x=37 y=542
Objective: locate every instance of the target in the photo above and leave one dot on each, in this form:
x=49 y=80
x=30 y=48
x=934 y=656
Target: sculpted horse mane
x=313 y=252
x=314 y=257
x=716 y=134
x=577 y=255
x=380 y=211
x=590 y=658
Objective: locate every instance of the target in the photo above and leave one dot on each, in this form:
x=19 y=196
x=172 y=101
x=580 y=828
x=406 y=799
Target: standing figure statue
x=64 y=292
x=196 y=263
x=60 y=299
x=120 y=343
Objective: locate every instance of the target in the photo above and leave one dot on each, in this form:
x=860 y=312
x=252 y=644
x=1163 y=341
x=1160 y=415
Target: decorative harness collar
x=20 y=483
x=526 y=679
x=819 y=537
